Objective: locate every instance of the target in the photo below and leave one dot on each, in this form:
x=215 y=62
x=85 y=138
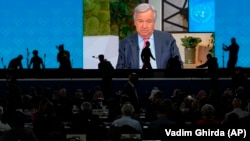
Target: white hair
x=144 y=7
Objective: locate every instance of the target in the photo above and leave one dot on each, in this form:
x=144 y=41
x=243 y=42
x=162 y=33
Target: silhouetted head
x=133 y=78
x=20 y=57
x=35 y=52
x=209 y=56
x=147 y=44
x=101 y=57
x=61 y=47
x=233 y=40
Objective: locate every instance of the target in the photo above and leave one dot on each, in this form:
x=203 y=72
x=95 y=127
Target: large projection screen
x=29 y=25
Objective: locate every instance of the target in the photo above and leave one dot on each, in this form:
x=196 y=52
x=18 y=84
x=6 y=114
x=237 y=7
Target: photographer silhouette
x=63 y=57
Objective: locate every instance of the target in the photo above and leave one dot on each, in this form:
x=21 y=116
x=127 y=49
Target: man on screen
x=163 y=45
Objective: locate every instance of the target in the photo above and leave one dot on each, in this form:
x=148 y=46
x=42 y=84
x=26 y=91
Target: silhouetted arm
x=151 y=55
x=203 y=65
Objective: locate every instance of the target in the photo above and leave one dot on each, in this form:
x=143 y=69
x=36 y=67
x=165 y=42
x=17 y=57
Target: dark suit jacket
x=131 y=93
x=165 y=48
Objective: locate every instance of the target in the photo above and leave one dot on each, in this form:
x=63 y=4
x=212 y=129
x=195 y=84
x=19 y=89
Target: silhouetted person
x=107 y=72
x=15 y=67
x=18 y=132
x=85 y=122
x=233 y=54
x=129 y=92
x=156 y=129
x=36 y=62
x=174 y=66
x=63 y=57
x=212 y=67
x=145 y=56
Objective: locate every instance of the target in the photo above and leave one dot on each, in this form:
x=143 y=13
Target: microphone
x=95 y=57
x=4 y=66
x=28 y=53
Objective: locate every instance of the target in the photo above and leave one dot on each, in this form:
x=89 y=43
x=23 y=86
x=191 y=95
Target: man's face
x=145 y=23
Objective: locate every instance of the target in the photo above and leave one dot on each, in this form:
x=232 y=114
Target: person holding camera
x=63 y=57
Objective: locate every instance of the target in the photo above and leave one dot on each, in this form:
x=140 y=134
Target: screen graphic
x=29 y=25
x=201 y=15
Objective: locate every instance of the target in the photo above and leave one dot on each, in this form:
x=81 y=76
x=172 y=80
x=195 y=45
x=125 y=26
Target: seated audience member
x=63 y=106
x=127 y=119
x=242 y=94
x=225 y=102
x=177 y=98
x=97 y=100
x=174 y=114
x=113 y=106
x=4 y=126
x=186 y=104
x=18 y=132
x=156 y=129
x=86 y=123
x=40 y=109
x=237 y=108
x=208 y=117
x=153 y=92
x=245 y=121
x=233 y=120
x=78 y=98
x=151 y=106
x=187 y=108
x=47 y=122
